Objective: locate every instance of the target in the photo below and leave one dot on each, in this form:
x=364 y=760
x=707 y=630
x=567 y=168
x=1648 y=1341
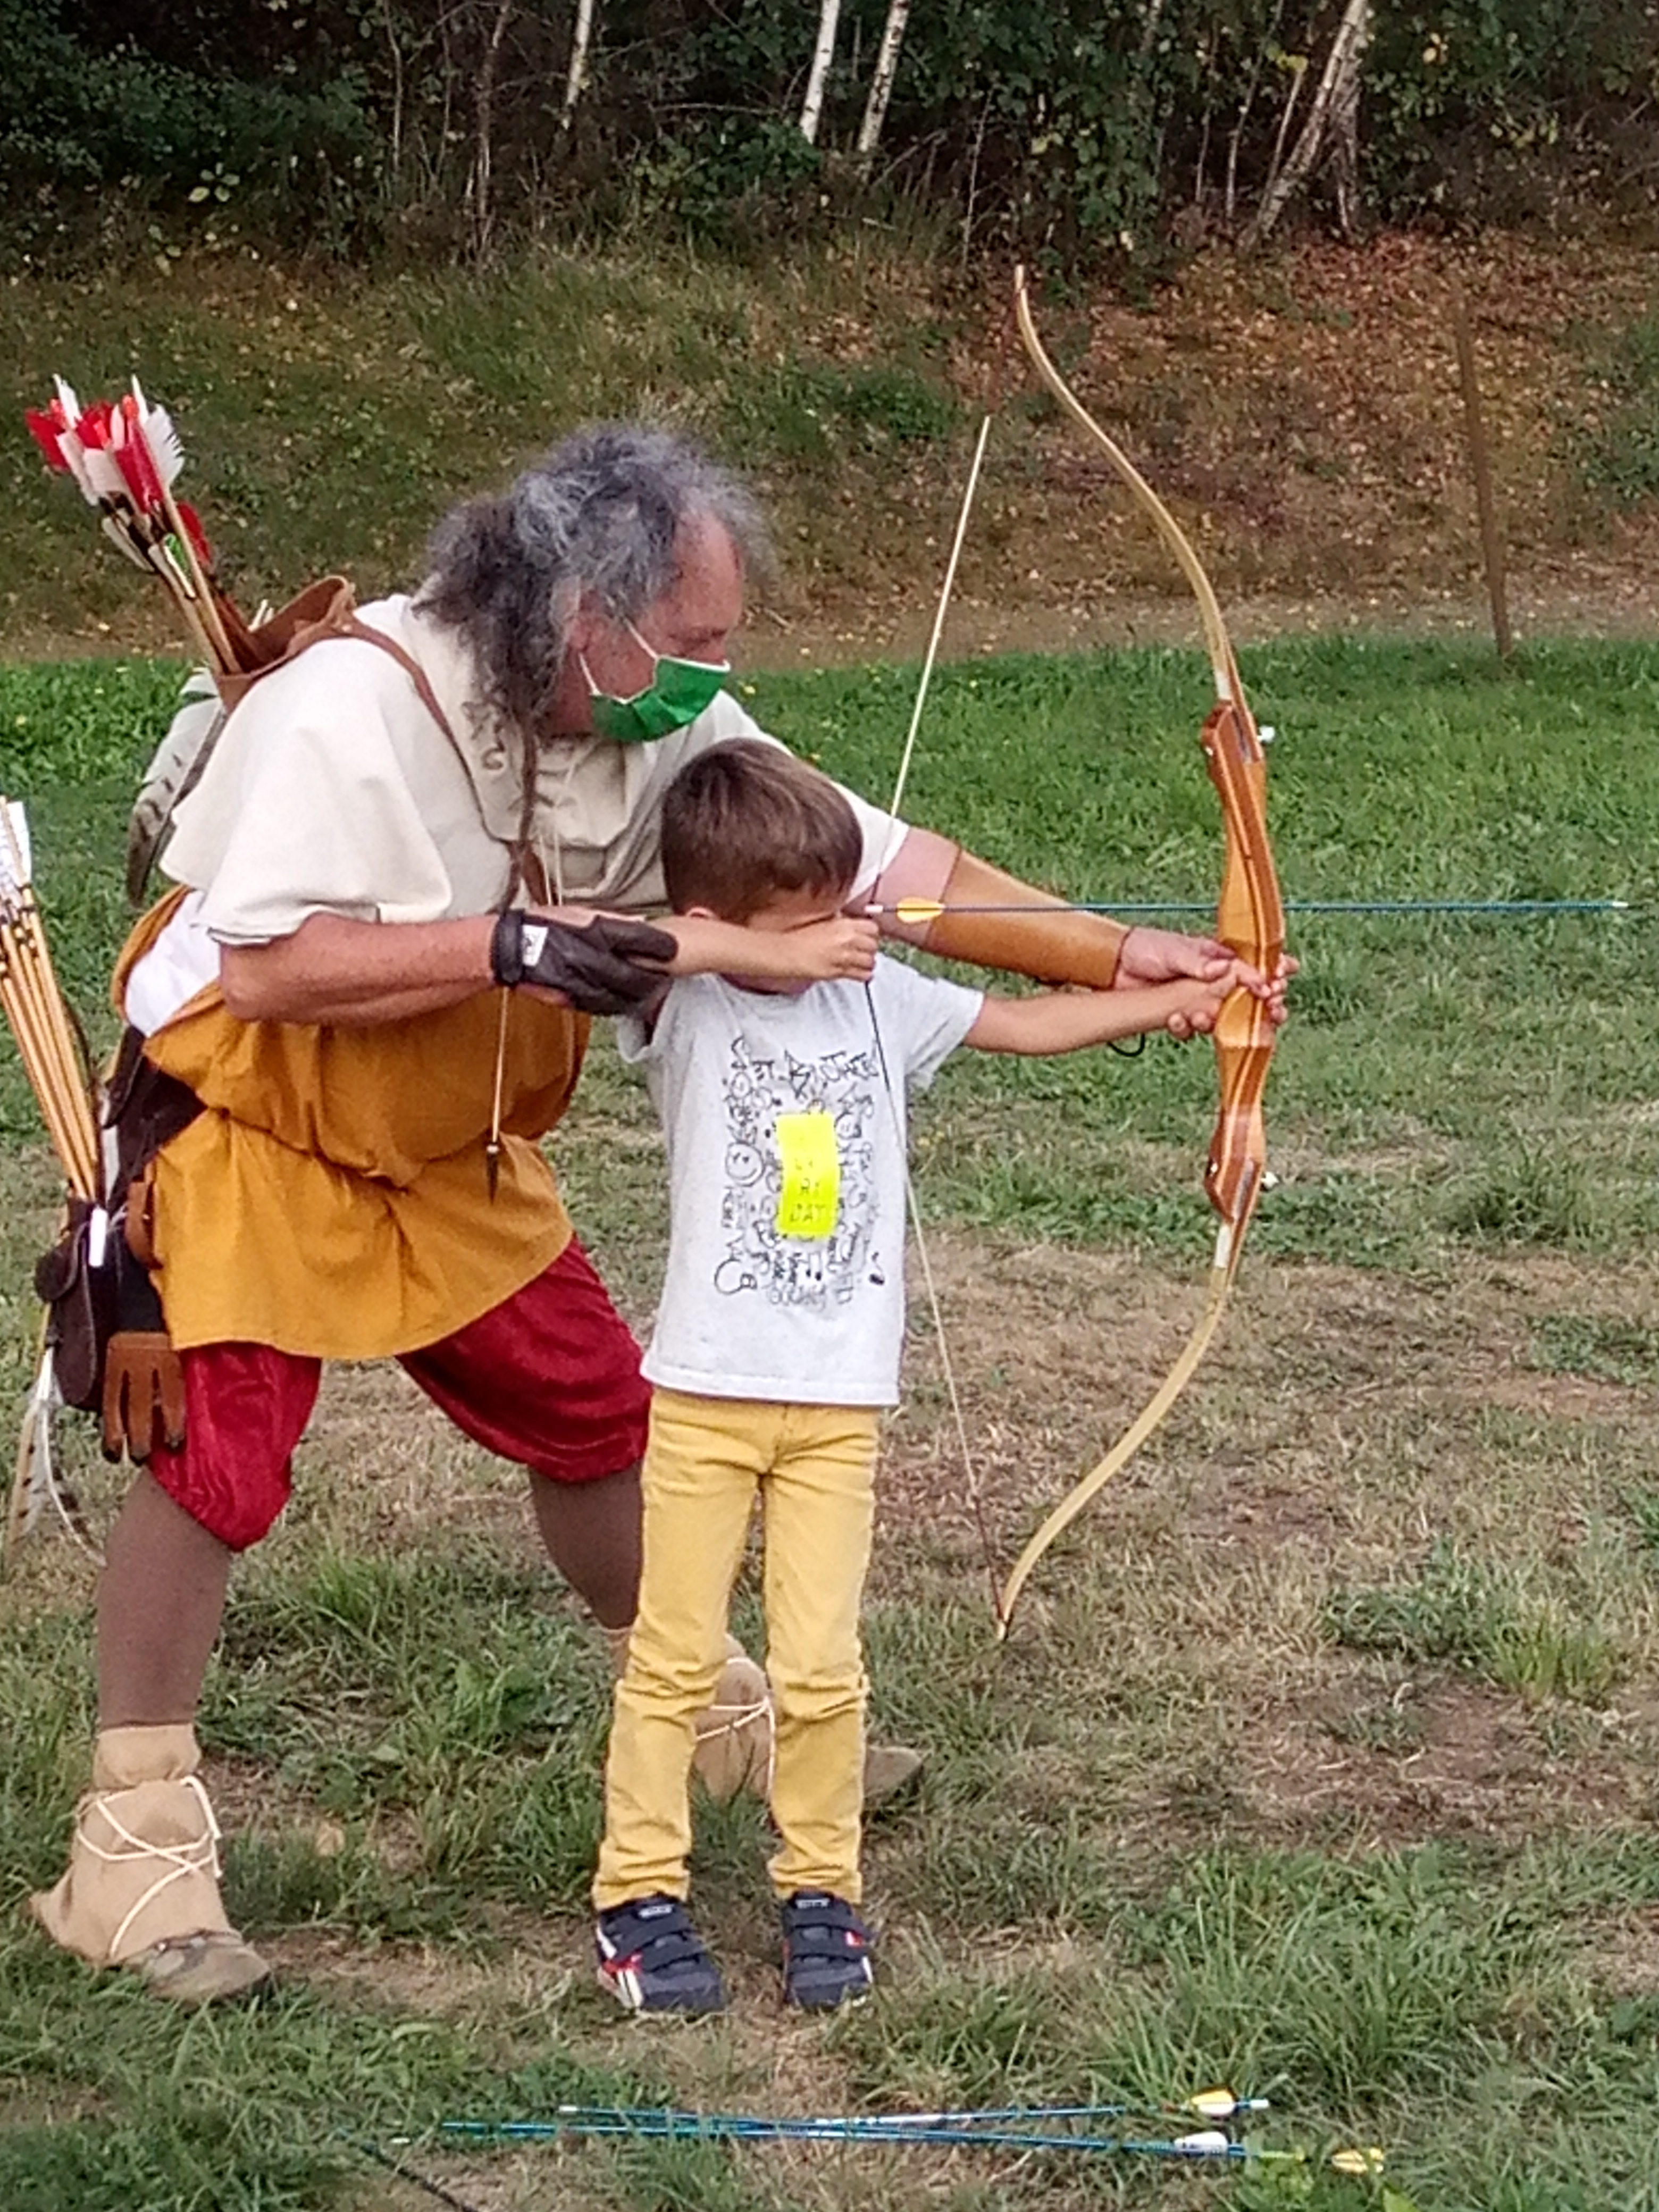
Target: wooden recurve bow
x=1250 y=922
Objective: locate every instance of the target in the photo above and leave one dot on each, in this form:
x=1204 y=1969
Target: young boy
x=776 y=1345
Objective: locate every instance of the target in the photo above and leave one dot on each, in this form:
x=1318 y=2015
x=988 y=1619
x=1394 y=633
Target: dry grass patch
x=1180 y=1641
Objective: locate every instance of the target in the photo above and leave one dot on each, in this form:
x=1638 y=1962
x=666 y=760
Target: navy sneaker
x=826 y=1951
x=651 y=1959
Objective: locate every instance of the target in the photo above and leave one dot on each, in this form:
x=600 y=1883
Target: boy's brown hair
x=745 y=821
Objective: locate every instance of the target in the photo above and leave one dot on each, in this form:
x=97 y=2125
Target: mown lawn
x=1322 y=1759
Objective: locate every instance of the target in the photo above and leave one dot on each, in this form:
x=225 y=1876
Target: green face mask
x=678 y=693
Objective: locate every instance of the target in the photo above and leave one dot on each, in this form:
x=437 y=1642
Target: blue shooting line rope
x=1386 y=906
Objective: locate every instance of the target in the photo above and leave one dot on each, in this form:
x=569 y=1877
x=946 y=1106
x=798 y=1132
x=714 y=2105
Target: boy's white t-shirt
x=751 y=1308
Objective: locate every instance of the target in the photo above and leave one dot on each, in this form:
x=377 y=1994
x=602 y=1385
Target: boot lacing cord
x=200 y=1857
x=731 y=1720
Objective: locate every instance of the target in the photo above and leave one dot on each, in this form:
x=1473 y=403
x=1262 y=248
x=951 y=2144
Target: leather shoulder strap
x=354 y=626
x=528 y=866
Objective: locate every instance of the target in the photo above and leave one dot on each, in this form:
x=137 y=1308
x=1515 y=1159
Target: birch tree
x=1331 y=130
x=881 y=84
x=824 y=54
x=575 y=82
x=484 y=144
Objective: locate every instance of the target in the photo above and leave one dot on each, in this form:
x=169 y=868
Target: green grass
x=1448 y=1083
x=1185 y=1827
x=1539 y=1642
x=328 y=420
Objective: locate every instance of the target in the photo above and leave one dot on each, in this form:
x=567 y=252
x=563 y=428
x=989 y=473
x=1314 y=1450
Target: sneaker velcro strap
x=666 y=1946
x=652 y=1957
x=826 y=1951
x=814 y=1920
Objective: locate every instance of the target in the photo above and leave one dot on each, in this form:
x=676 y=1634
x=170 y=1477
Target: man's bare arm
x=354 y=974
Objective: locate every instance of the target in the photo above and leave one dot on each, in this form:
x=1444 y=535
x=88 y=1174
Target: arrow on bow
x=1250 y=922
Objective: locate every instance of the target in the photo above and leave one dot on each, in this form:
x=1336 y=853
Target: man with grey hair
x=364 y=1003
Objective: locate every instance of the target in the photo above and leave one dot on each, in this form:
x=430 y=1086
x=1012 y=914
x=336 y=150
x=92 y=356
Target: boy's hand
x=1199 y=998
x=1166 y=956
x=840 y=950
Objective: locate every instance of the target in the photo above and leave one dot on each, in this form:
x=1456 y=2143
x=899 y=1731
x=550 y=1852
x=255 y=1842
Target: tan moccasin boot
x=142 y=1889
x=735 y=1731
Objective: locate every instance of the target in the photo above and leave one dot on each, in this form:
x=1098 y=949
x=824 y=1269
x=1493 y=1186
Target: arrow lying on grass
x=1020 y=2127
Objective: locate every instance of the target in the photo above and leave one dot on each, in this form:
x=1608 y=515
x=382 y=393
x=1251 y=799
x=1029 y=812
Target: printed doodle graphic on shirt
x=760 y=1254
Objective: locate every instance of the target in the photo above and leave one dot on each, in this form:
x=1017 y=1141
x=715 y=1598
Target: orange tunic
x=331 y=1199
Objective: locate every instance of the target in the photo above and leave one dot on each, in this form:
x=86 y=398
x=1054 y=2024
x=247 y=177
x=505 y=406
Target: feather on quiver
x=125 y=457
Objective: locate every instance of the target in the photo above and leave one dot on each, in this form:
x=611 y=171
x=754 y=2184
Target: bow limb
x=1225 y=669
x=1250 y=922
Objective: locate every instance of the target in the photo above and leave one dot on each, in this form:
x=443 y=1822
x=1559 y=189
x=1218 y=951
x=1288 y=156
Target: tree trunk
x=881 y=84
x=395 y=130
x=1332 y=127
x=1234 y=137
x=484 y=212
x=582 y=39
x=823 y=54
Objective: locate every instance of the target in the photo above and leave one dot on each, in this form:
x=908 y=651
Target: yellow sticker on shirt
x=811 y=1192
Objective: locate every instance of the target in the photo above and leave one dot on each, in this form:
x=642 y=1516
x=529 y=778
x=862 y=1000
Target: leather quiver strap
x=1045 y=938
x=147 y=1108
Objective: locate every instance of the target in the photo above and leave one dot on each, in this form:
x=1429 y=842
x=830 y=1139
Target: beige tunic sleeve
x=332 y=790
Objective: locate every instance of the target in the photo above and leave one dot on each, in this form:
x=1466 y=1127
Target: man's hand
x=1164 y=956
x=599 y=965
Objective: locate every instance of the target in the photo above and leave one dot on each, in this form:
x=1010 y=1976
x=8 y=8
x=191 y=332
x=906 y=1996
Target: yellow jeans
x=813 y=1468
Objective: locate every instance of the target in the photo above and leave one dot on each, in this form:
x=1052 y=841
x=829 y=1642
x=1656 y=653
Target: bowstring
x=913 y=1209
x=947 y=1366
x=938 y=619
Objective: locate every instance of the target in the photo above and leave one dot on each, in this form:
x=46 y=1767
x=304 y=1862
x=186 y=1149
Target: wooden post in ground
x=1492 y=544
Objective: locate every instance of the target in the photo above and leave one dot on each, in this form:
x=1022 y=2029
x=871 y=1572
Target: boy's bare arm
x=840 y=949
x=1069 y=1021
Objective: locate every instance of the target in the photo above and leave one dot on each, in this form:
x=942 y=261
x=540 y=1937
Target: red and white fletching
x=16 y=860
x=159 y=434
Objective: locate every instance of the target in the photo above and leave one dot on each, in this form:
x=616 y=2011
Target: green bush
x=1618 y=444
x=1083 y=131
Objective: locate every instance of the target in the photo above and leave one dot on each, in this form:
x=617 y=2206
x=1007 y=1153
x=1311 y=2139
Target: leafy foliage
x=1077 y=130
x=1618 y=444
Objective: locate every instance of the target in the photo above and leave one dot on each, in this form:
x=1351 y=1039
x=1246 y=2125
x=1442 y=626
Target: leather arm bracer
x=1045 y=940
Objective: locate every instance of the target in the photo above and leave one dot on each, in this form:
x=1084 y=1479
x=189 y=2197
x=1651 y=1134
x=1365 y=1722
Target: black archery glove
x=594 y=964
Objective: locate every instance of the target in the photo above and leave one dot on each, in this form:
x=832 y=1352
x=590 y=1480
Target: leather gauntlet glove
x=594 y=964
x=143 y=1388
x=143 y=1394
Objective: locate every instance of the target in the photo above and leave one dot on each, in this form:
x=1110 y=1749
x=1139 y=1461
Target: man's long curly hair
x=599 y=515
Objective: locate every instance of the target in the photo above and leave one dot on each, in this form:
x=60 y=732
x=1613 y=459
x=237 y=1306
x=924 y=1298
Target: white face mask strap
x=657 y=658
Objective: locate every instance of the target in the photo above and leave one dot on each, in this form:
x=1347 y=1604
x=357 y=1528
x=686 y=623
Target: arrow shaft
x=917 y=912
